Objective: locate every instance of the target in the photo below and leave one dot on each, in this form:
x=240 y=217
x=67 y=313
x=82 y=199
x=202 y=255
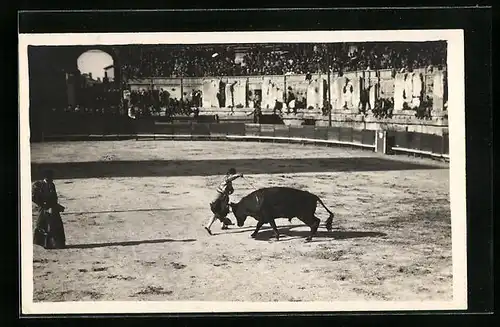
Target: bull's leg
x=223 y=223
x=257 y=228
x=329 y=222
x=275 y=228
x=314 y=228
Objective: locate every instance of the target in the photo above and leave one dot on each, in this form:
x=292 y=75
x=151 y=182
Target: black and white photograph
x=242 y=171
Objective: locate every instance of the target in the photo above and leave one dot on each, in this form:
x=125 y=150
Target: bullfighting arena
x=135 y=212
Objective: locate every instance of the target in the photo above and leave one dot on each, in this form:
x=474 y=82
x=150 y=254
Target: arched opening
x=95 y=87
x=97 y=66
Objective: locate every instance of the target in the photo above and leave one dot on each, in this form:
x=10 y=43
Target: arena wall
x=346 y=125
x=77 y=127
x=348 y=92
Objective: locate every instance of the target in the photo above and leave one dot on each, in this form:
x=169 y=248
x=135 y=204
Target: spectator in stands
x=197 y=61
x=298 y=59
x=196 y=112
x=290 y=98
x=278 y=106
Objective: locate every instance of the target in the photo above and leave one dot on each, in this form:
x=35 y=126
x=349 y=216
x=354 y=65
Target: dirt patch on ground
x=140 y=237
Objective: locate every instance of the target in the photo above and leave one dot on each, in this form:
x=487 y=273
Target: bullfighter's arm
x=36 y=195
x=233 y=177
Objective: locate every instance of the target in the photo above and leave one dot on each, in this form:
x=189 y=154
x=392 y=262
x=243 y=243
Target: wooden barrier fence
x=122 y=127
x=255 y=132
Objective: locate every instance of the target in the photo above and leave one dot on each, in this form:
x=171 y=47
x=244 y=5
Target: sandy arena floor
x=135 y=211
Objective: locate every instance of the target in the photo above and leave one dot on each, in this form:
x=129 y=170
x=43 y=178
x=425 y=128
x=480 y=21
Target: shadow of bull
x=266 y=234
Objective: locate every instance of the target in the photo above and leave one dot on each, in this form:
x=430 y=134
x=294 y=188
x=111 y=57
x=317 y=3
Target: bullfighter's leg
x=225 y=205
x=257 y=228
x=275 y=228
x=209 y=225
x=314 y=228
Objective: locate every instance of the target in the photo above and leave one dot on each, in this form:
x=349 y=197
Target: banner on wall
x=336 y=93
x=356 y=92
x=240 y=93
x=417 y=89
x=228 y=96
x=315 y=94
x=209 y=93
x=438 y=90
x=399 y=90
x=267 y=90
x=272 y=92
x=408 y=90
x=386 y=85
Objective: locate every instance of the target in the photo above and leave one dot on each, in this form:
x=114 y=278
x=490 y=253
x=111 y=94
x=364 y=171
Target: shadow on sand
x=208 y=167
x=236 y=230
x=125 y=243
x=120 y=211
x=287 y=233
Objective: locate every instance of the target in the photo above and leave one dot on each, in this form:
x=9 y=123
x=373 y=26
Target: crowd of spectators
x=93 y=101
x=111 y=109
x=161 y=61
x=96 y=98
x=392 y=56
x=202 y=61
x=98 y=101
x=145 y=102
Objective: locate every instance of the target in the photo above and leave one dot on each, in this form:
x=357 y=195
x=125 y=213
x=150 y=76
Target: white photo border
x=456 y=118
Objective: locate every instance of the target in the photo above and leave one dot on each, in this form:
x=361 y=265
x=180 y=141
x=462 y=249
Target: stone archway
x=49 y=67
x=95 y=59
x=77 y=51
x=96 y=65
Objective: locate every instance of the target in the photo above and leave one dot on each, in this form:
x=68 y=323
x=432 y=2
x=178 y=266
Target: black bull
x=267 y=204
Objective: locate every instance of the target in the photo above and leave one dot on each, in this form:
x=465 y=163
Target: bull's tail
x=329 y=221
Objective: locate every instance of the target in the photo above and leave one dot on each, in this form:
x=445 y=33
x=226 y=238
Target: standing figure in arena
x=220 y=205
x=49 y=230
